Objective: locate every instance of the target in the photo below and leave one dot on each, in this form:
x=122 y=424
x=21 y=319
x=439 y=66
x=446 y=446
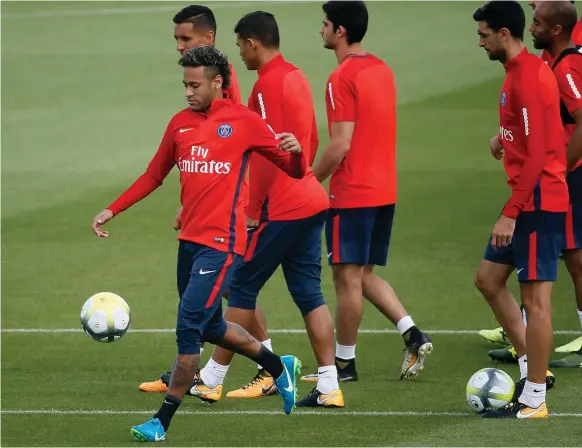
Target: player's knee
x=188 y=340
x=215 y=333
x=487 y=284
x=308 y=302
x=347 y=277
x=573 y=261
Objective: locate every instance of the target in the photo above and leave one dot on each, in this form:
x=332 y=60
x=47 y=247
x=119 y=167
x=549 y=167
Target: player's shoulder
x=569 y=62
x=242 y=112
x=181 y=117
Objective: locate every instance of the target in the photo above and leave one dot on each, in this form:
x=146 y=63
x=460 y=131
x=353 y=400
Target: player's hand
x=502 y=232
x=101 y=218
x=496 y=148
x=288 y=142
x=178 y=219
x=252 y=222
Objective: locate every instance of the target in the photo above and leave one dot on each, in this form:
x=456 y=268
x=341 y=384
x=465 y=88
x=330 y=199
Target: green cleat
x=574 y=360
x=496 y=336
x=572 y=347
x=507 y=354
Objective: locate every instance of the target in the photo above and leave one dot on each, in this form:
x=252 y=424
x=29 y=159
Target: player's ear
x=209 y=38
x=217 y=82
x=557 y=29
x=504 y=34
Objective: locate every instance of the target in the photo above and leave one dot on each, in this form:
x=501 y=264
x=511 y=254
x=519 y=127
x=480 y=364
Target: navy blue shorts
x=293 y=245
x=203 y=276
x=359 y=235
x=574 y=216
x=535 y=248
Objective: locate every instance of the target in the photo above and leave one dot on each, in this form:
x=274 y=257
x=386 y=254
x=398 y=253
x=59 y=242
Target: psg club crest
x=224 y=130
x=503 y=99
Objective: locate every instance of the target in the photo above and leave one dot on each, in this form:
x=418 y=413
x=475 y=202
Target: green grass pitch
x=87 y=90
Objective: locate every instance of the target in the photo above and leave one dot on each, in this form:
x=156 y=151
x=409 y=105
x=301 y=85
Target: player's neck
x=343 y=51
x=558 y=47
x=513 y=51
x=267 y=56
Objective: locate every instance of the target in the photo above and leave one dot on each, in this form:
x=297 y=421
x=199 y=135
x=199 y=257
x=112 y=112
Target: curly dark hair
x=214 y=60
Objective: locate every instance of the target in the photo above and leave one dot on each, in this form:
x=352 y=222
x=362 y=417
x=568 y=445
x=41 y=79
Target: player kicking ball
x=195 y=25
x=210 y=142
x=529 y=235
x=361 y=160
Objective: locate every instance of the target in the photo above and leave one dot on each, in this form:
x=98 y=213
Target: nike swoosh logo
x=528 y=412
x=537 y=391
x=289 y=388
x=203 y=272
x=185 y=130
x=519 y=270
x=320 y=401
x=329 y=255
x=158 y=438
x=266 y=390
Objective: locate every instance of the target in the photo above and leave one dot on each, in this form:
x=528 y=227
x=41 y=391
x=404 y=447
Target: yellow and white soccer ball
x=105 y=317
x=489 y=389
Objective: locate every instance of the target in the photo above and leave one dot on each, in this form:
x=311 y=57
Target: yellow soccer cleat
x=496 y=336
x=520 y=411
x=154 y=386
x=205 y=393
x=261 y=385
x=571 y=347
x=335 y=399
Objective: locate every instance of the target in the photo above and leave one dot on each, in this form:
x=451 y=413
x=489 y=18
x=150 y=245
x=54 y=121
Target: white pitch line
x=257 y=412
x=275 y=331
x=107 y=11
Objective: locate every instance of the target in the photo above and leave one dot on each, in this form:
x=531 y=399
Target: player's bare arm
x=496 y=147
x=336 y=150
x=574 y=149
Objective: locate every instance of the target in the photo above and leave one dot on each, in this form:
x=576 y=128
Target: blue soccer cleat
x=286 y=383
x=150 y=431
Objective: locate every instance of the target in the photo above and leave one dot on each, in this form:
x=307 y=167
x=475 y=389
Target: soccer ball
x=489 y=389
x=105 y=317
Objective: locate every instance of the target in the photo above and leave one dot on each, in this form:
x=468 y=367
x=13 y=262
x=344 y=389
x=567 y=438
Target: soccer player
x=290 y=215
x=361 y=159
x=529 y=235
x=561 y=14
x=195 y=25
x=210 y=142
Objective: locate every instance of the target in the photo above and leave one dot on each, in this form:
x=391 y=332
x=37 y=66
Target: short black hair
x=210 y=57
x=352 y=15
x=199 y=16
x=500 y=14
x=259 y=25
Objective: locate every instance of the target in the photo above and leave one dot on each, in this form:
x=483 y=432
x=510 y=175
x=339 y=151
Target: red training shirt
x=362 y=90
x=282 y=97
x=576 y=39
x=532 y=135
x=211 y=151
x=568 y=73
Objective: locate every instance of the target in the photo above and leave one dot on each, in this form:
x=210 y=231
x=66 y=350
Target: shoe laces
x=256 y=380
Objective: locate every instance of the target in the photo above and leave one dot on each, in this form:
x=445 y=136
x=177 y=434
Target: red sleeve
x=569 y=79
x=531 y=94
x=156 y=172
x=342 y=99
x=314 y=141
x=262 y=139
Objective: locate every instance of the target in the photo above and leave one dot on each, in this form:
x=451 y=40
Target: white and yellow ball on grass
x=105 y=317
x=489 y=389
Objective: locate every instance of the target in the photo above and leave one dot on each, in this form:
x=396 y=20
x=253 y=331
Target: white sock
x=213 y=374
x=201 y=350
x=522 y=367
x=533 y=394
x=269 y=345
x=327 y=379
x=524 y=317
x=345 y=351
x=405 y=324
x=580 y=316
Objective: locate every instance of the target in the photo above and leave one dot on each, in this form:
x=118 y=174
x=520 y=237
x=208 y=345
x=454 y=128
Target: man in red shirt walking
x=529 y=235
x=361 y=159
x=210 y=142
x=290 y=215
